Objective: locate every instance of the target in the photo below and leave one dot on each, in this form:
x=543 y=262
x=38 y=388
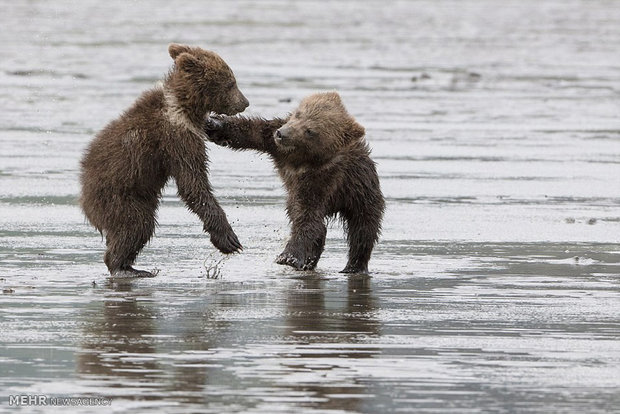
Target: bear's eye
x=309 y=132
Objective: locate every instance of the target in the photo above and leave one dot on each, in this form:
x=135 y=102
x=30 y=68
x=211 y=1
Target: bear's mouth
x=233 y=111
x=230 y=111
x=282 y=143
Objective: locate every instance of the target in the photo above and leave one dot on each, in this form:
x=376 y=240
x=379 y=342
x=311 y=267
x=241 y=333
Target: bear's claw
x=310 y=263
x=213 y=127
x=226 y=243
x=213 y=124
x=354 y=269
x=290 y=260
x=131 y=273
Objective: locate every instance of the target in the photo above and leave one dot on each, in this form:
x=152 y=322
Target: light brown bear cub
x=129 y=162
x=322 y=157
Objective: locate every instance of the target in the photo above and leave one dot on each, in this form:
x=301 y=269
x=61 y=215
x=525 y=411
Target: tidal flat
x=495 y=286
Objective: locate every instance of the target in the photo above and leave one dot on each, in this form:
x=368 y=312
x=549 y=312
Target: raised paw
x=213 y=124
x=226 y=241
x=289 y=260
x=214 y=127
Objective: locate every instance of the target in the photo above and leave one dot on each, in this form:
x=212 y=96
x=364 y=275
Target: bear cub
x=324 y=161
x=126 y=166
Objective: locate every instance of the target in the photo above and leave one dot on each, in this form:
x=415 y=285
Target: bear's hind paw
x=131 y=273
x=310 y=263
x=289 y=260
x=354 y=269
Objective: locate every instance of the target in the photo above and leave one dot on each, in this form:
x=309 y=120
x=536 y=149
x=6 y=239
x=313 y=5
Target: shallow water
x=494 y=287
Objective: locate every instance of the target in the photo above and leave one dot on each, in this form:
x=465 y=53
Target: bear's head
x=319 y=127
x=202 y=82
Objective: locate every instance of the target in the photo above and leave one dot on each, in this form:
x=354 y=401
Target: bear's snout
x=243 y=102
x=281 y=135
x=240 y=103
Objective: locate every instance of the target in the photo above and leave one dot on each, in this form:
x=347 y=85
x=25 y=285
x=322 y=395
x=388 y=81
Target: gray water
x=494 y=288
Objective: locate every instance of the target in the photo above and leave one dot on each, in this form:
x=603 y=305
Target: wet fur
x=326 y=171
x=126 y=166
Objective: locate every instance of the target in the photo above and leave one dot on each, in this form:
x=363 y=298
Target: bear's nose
x=281 y=134
x=242 y=102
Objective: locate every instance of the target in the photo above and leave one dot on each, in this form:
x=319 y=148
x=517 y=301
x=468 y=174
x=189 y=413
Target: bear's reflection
x=315 y=307
x=201 y=332
x=134 y=343
x=116 y=342
x=328 y=326
x=148 y=349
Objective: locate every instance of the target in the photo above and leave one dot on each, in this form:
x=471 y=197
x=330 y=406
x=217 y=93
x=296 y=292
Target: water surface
x=494 y=286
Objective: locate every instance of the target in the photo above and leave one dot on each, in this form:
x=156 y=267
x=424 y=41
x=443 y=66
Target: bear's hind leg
x=123 y=247
x=362 y=234
x=305 y=247
x=317 y=250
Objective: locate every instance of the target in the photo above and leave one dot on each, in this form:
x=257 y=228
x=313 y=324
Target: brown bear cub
x=129 y=162
x=322 y=157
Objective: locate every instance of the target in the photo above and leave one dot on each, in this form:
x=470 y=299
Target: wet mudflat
x=495 y=286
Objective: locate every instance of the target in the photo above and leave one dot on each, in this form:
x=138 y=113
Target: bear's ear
x=334 y=96
x=189 y=63
x=175 y=49
x=355 y=131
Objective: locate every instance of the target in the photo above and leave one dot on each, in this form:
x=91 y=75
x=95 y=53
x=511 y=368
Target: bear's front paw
x=213 y=124
x=226 y=241
x=214 y=127
x=289 y=260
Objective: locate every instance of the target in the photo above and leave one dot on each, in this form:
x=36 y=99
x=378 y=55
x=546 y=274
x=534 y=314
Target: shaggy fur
x=128 y=163
x=324 y=161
